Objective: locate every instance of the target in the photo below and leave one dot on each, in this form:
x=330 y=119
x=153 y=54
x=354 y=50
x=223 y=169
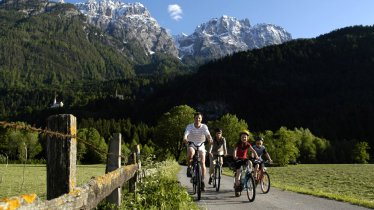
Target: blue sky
x=302 y=18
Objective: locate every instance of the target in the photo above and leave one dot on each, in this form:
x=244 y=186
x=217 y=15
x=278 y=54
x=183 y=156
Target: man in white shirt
x=197 y=133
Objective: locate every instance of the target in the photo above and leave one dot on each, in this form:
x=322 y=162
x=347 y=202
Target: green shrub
x=160 y=190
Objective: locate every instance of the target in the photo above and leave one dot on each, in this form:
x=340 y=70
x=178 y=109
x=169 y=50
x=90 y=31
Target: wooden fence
x=62 y=192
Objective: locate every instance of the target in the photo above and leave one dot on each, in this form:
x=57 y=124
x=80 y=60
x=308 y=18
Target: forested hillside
x=48 y=49
x=324 y=84
x=55 y=48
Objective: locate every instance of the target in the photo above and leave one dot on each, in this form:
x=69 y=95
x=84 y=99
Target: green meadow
x=18 y=179
x=353 y=183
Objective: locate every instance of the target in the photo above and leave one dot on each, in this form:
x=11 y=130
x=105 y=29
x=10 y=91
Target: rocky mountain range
x=129 y=23
x=132 y=22
x=226 y=35
x=132 y=25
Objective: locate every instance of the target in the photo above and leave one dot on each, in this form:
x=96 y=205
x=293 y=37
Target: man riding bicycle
x=197 y=133
x=260 y=150
x=218 y=147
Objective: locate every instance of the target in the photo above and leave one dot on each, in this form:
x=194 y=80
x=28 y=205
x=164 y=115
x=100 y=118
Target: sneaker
x=189 y=174
x=210 y=181
x=202 y=186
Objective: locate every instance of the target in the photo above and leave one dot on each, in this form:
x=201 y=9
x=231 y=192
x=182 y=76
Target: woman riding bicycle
x=196 y=132
x=260 y=150
x=240 y=154
x=218 y=147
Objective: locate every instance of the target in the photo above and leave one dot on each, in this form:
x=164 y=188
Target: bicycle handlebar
x=263 y=161
x=191 y=142
x=242 y=159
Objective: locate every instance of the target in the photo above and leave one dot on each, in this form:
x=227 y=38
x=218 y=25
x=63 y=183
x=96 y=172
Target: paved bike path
x=275 y=199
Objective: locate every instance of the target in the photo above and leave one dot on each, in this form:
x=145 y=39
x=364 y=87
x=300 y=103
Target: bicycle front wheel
x=194 y=182
x=265 y=183
x=214 y=176
x=217 y=177
x=251 y=188
x=198 y=181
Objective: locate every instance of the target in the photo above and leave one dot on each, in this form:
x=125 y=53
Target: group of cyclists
x=197 y=133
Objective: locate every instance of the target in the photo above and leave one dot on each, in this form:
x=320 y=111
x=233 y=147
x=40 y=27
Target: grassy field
x=33 y=178
x=346 y=182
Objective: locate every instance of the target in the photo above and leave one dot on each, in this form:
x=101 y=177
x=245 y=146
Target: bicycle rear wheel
x=217 y=177
x=198 y=181
x=265 y=183
x=251 y=188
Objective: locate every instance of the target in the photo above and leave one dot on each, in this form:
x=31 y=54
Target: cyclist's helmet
x=259 y=138
x=246 y=132
x=218 y=130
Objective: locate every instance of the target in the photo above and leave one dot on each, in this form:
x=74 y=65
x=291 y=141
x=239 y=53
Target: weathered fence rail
x=90 y=194
x=61 y=173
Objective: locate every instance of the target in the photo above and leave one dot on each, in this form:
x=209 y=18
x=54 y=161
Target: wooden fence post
x=61 y=155
x=135 y=160
x=113 y=163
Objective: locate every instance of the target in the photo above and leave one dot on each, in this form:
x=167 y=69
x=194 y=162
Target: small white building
x=121 y=97
x=57 y=105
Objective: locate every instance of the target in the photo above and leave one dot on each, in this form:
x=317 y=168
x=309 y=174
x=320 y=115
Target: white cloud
x=175 y=11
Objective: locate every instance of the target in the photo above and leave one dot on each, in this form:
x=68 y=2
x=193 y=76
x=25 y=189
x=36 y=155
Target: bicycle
x=247 y=182
x=196 y=171
x=217 y=172
x=263 y=178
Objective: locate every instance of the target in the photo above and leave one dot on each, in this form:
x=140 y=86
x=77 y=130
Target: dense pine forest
x=321 y=86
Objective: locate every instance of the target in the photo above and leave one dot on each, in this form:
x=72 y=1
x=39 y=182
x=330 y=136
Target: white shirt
x=196 y=135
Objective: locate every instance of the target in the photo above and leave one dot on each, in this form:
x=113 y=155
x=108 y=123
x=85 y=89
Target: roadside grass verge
x=160 y=190
x=353 y=183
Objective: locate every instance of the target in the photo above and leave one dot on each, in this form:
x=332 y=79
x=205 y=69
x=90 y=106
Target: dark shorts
x=239 y=163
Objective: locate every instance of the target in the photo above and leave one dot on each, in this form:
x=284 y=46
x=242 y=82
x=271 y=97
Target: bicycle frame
x=217 y=172
x=260 y=171
x=263 y=178
x=247 y=182
x=197 y=170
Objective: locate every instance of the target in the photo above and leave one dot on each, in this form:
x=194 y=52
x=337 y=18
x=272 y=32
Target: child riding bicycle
x=260 y=150
x=218 y=147
x=240 y=154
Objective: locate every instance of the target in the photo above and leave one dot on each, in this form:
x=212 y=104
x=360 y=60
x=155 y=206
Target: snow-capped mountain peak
x=128 y=22
x=132 y=22
x=223 y=25
x=113 y=9
x=226 y=35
